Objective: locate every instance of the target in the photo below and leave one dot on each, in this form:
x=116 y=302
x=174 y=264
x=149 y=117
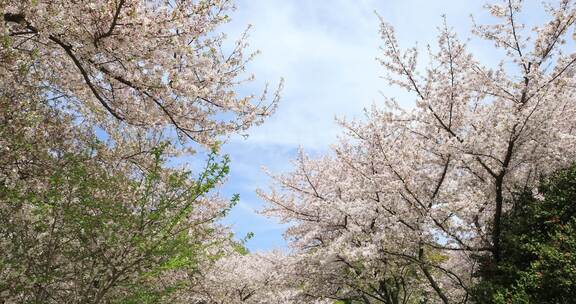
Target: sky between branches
x=326 y=52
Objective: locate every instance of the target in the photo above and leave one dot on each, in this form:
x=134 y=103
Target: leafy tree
x=538 y=262
x=78 y=227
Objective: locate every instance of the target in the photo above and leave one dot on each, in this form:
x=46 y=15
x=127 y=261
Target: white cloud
x=327 y=56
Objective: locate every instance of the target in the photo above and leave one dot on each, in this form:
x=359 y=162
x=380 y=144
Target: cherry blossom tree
x=415 y=195
x=91 y=95
x=257 y=278
x=145 y=63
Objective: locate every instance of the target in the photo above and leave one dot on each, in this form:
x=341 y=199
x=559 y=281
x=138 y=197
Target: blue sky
x=326 y=52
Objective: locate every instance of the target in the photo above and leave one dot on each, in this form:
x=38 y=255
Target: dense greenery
x=538 y=263
x=82 y=222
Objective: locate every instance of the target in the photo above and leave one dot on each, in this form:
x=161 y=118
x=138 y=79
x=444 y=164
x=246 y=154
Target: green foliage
x=538 y=248
x=88 y=231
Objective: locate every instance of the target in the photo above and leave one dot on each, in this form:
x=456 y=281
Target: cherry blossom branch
x=112 y=25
